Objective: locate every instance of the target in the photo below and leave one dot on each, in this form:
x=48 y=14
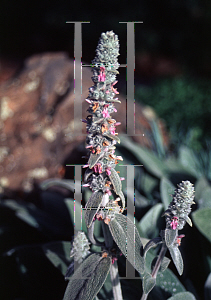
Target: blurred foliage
x=184 y=103
x=36 y=239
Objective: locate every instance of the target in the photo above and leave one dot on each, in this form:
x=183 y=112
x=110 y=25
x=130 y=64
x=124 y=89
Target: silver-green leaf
x=92 y=207
x=93 y=159
x=93 y=272
x=115 y=180
x=148 y=283
x=177 y=258
x=125 y=234
x=170 y=236
x=183 y=296
x=164 y=264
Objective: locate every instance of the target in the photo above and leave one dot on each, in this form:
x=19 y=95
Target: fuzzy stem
x=117 y=291
x=159 y=260
x=157 y=266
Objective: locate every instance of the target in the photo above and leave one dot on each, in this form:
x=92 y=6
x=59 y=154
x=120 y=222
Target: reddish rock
x=36 y=125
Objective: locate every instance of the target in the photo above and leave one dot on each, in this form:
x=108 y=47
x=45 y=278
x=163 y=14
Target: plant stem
x=157 y=266
x=117 y=291
x=159 y=260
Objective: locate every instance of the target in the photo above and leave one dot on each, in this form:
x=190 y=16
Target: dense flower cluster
x=180 y=207
x=80 y=247
x=101 y=127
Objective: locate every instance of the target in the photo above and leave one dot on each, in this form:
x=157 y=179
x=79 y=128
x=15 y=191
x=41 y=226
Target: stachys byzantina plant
x=107 y=201
x=103 y=205
x=176 y=217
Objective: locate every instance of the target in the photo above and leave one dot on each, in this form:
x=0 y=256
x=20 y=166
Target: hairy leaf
x=148 y=223
x=188 y=220
x=148 y=283
x=170 y=236
x=94 y=271
x=177 y=258
x=65 y=183
x=59 y=254
x=201 y=218
x=92 y=206
x=88 y=173
x=111 y=136
x=126 y=236
x=183 y=296
x=93 y=159
x=167 y=189
x=151 y=244
x=115 y=180
x=164 y=264
x=189 y=160
x=150 y=161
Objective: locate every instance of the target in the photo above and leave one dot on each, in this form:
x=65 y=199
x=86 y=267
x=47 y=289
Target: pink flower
x=112 y=130
x=117 y=123
x=102 y=76
x=114 y=82
x=108 y=172
x=105 y=113
x=115 y=110
x=174 y=223
x=97 y=168
x=113 y=260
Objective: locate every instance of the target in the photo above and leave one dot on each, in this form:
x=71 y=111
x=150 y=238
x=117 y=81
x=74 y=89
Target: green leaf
x=167 y=189
x=177 y=258
x=148 y=223
x=59 y=254
x=200 y=185
x=151 y=244
x=164 y=264
x=189 y=161
x=201 y=219
x=207 y=288
x=170 y=236
x=205 y=199
x=65 y=183
x=117 y=185
x=21 y=211
x=166 y=280
x=94 y=271
x=183 y=296
x=122 y=230
x=92 y=207
x=148 y=283
x=146 y=157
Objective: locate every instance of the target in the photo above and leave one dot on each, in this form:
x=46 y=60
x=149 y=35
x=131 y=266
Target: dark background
x=173 y=43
